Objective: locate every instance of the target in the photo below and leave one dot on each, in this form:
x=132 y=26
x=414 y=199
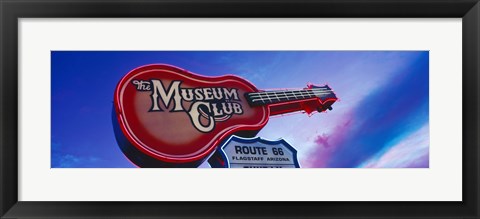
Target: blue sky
x=381 y=119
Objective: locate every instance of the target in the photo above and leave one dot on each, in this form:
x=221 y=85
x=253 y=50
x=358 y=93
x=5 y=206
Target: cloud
x=412 y=151
x=73 y=161
x=322 y=140
x=395 y=109
x=325 y=144
x=68 y=161
x=63 y=159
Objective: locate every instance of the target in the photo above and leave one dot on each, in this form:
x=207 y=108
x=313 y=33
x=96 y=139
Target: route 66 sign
x=238 y=152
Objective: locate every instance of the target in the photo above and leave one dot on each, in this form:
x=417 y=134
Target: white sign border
x=441 y=182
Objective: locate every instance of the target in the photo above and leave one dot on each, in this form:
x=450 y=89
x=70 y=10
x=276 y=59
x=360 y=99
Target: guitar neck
x=287 y=101
x=274 y=97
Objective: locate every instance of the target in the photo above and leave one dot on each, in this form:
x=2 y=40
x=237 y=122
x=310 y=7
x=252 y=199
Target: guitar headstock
x=325 y=98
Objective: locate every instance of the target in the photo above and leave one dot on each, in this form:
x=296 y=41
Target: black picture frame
x=12 y=10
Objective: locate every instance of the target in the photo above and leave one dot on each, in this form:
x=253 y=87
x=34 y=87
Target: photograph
x=240 y=109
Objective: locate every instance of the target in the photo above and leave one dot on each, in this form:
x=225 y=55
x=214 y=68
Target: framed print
x=239 y=109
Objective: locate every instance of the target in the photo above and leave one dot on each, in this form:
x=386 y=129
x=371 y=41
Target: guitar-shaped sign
x=165 y=116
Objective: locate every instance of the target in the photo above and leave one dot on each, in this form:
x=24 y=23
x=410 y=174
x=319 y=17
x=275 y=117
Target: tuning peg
x=321 y=109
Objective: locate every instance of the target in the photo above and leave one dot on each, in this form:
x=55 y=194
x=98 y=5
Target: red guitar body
x=165 y=116
x=170 y=137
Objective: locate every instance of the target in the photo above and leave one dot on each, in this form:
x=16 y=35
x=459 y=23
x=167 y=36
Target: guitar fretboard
x=271 y=97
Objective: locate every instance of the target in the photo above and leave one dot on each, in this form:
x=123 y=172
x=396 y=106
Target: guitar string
x=304 y=94
x=278 y=100
x=273 y=92
x=277 y=91
x=297 y=89
x=287 y=93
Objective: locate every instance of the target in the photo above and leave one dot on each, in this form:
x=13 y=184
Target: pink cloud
x=325 y=143
x=411 y=152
